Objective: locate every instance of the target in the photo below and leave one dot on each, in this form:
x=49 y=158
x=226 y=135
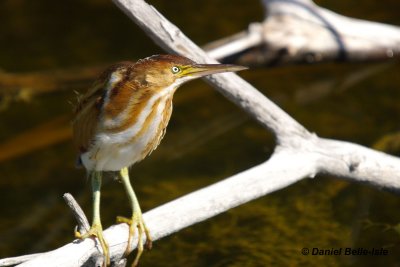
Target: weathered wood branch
x=171 y=39
x=187 y=210
x=18 y=260
x=284 y=168
x=298 y=154
x=83 y=223
x=299 y=31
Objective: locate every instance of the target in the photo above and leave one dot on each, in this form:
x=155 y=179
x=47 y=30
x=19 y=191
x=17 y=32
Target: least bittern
x=122 y=119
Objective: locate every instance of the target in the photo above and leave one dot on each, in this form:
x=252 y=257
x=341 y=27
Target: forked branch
x=299 y=31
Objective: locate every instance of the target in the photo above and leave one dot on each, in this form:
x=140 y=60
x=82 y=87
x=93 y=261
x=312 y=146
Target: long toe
x=136 y=224
x=97 y=231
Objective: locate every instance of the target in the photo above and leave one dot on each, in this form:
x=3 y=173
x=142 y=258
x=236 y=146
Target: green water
x=208 y=139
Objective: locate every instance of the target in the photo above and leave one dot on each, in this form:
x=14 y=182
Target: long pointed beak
x=200 y=70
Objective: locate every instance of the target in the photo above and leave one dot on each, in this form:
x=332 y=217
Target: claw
x=97 y=231
x=136 y=222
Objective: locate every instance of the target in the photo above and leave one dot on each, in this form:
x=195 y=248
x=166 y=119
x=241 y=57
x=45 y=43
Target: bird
x=120 y=120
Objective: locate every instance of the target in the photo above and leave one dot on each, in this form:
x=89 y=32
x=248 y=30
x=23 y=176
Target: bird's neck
x=130 y=107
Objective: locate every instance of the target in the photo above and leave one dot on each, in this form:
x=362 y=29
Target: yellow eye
x=175 y=69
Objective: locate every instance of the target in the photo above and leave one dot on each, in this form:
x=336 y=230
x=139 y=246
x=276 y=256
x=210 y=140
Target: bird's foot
x=97 y=231
x=136 y=222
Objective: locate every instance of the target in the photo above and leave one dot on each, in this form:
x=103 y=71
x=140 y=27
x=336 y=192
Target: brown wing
x=90 y=105
x=86 y=116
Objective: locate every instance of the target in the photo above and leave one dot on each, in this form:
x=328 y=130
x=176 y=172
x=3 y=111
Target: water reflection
x=208 y=139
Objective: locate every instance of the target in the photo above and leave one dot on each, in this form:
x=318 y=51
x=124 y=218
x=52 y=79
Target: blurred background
x=50 y=49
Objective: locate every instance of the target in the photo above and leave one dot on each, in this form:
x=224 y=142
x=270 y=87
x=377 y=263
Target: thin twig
x=83 y=223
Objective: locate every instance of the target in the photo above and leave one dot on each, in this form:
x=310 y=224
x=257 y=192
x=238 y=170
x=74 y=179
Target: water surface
x=208 y=139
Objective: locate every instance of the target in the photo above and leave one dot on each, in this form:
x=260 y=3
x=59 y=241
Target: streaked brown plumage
x=123 y=118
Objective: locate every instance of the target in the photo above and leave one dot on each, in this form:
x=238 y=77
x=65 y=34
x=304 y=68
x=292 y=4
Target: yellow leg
x=136 y=221
x=96 y=229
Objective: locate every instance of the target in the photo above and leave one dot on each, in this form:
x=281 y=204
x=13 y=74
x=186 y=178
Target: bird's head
x=126 y=90
x=172 y=70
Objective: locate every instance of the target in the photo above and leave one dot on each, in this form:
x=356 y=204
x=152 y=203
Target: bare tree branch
x=299 y=31
x=17 y=260
x=83 y=223
x=187 y=210
x=170 y=38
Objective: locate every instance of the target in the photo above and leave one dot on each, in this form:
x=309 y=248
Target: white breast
x=110 y=151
